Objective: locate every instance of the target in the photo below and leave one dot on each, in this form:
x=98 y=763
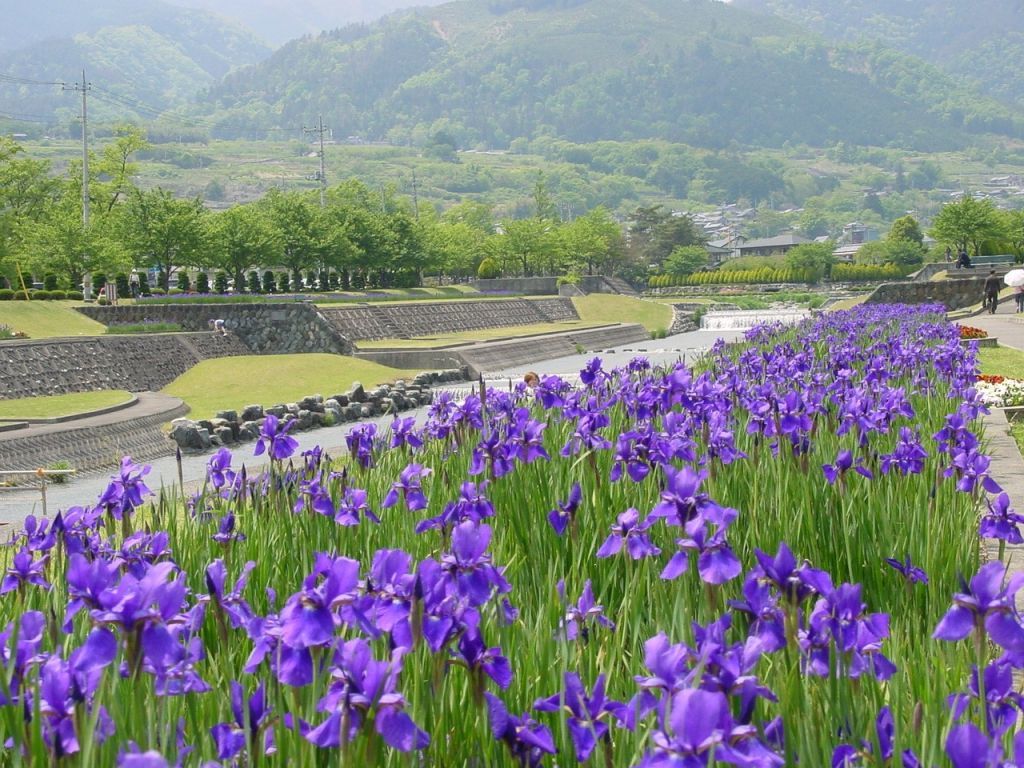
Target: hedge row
x=9 y=294
x=744 y=277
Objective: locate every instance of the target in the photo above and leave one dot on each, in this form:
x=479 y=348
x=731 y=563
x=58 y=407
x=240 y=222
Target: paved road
x=16 y=504
x=1005 y=324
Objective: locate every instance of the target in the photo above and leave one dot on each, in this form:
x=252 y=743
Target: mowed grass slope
x=234 y=382
x=610 y=308
x=47 y=319
x=1002 y=361
x=53 y=406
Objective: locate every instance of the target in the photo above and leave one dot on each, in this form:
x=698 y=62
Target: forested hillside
x=697 y=71
x=982 y=39
x=278 y=21
x=146 y=51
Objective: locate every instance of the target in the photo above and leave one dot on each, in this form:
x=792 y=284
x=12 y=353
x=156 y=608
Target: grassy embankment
x=233 y=382
x=60 y=405
x=48 y=319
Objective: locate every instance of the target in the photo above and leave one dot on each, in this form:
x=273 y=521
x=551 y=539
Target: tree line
x=357 y=239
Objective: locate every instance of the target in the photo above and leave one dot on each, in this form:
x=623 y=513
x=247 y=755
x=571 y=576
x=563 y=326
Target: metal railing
x=43 y=476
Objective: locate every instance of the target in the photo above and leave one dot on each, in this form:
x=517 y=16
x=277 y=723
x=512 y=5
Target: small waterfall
x=739 y=320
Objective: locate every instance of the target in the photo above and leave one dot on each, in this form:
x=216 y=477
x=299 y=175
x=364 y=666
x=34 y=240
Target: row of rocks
x=311 y=412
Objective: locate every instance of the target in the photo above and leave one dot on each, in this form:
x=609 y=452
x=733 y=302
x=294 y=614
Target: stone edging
x=1007 y=468
x=10 y=426
x=132 y=400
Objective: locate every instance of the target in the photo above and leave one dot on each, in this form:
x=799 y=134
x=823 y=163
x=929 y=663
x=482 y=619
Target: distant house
x=845 y=253
x=767 y=246
x=724 y=248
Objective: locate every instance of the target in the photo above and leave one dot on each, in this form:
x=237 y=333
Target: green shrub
x=220 y=283
x=158 y=291
x=103 y=301
x=184 y=283
x=6 y=294
x=144 y=284
x=58 y=295
x=488 y=269
x=75 y=295
x=202 y=283
x=124 y=288
x=50 y=281
x=21 y=295
x=253 y=282
x=269 y=283
x=175 y=292
x=40 y=295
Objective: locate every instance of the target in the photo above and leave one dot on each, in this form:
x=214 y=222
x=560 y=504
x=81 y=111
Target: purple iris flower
x=124 y=493
x=795 y=584
x=1001 y=521
x=494 y=453
x=587 y=715
x=565 y=514
x=580 y=618
x=971 y=470
x=403 y=434
x=716 y=561
x=25 y=570
x=38 y=534
x=681 y=499
x=630 y=531
x=908 y=456
x=481 y=660
x=226 y=533
x=911 y=572
x=409 y=488
x=844 y=463
x=1002 y=706
x=364 y=690
x=985 y=606
x=252 y=720
x=135 y=758
x=360 y=444
x=527 y=740
x=700 y=722
x=353 y=506
x=218 y=469
x=275 y=440
x=469 y=568
x=171 y=657
x=767 y=622
x=526 y=437
x=840 y=636
x=968 y=747
x=229 y=604
x=329 y=597
x=849 y=756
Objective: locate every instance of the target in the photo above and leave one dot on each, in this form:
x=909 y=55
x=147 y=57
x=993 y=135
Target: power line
x=15 y=80
x=25 y=118
x=321 y=176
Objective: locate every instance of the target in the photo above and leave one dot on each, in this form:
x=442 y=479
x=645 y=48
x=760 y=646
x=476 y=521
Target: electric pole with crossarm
x=321 y=175
x=84 y=87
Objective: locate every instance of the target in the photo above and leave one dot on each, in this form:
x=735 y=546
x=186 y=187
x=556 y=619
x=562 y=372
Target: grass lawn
x=485 y=334
x=234 y=382
x=46 y=319
x=610 y=308
x=60 y=405
x=848 y=303
x=1002 y=361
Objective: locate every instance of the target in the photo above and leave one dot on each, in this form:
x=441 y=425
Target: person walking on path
x=1019 y=298
x=992 y=284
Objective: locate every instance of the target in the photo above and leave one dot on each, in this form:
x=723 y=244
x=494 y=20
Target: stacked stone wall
x=140 y=363
x=953 y=294
x=265 y=329
x=364 y=323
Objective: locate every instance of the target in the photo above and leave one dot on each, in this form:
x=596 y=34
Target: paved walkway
x=1005 y=324
x=147 y=404
x=15 y=504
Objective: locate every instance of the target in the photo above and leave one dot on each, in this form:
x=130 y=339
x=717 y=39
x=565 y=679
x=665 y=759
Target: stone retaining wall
x=140 y=363
x=277 y=328
x=953 y=294
x=402 y=321
x=548 y=286
x=93 y=447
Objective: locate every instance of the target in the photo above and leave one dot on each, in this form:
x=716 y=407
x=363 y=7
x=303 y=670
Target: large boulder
x=252 y=412
x=357 y=394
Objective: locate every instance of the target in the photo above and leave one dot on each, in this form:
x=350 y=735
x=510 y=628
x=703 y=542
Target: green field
x=486 y=334
x=609 y=308
x=1002 y=361
x=47 y=319
x=234 y=382
x=60 y=405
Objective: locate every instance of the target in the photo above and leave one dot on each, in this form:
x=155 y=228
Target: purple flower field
x=773 y=557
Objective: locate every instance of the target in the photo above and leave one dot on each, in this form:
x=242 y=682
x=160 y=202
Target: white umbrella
x=1015 y=277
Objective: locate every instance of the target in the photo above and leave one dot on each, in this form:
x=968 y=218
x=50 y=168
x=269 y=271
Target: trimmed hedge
x=840 y=273
x=6 y=294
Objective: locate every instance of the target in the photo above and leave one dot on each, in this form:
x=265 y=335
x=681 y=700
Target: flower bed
x=970 y=332
x=1004 y=393
x=759 y=560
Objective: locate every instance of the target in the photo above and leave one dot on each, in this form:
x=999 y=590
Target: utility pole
x=415 y=196
x=321 y=176
x=84 y=87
